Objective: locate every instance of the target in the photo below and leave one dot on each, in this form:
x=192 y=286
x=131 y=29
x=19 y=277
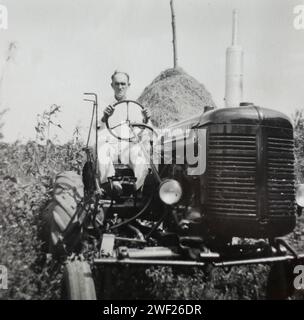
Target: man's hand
x=146 y=114
x=107 y=113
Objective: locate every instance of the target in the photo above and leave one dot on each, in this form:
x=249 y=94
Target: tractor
x=221 y=177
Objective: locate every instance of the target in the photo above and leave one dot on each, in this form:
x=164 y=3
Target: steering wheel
x=131 y=124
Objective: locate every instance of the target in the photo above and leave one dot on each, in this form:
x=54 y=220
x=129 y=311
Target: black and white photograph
x=151 y=150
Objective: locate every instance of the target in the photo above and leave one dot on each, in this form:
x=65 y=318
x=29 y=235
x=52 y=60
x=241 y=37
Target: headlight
x=300 y=195
x=170 y=191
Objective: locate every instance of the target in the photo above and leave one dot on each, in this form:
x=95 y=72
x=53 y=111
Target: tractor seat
x=123 y=170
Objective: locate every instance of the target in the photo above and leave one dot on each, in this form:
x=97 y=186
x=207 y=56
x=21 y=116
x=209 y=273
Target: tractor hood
x=247 y=115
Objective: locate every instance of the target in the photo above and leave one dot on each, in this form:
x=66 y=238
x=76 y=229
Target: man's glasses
x=120 y=83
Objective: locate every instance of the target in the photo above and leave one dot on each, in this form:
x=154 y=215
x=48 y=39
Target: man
x=111 y=150
x=120 y=84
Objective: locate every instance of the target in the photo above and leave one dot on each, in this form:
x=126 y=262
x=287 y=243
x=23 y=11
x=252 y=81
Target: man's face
x=120 y=86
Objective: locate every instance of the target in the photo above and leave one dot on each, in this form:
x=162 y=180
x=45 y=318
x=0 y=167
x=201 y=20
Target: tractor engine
x=246 y=185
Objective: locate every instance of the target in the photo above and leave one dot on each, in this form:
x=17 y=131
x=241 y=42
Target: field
x=26 y=175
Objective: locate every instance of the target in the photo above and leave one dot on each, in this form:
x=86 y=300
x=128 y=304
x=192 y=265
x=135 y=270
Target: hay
x=174 y=96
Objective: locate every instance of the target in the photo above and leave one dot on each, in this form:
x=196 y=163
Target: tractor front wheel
x=78 y=283
x=280 y=281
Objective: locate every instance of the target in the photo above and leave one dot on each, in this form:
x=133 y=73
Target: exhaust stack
x=234 y=69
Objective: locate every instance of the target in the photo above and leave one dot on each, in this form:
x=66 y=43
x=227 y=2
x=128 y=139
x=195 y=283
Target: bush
x=25 y=187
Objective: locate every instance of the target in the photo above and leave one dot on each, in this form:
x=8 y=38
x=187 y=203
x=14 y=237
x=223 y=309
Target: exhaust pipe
x=234 y=69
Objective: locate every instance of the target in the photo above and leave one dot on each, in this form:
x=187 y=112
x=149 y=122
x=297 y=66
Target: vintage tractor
x=196 y=208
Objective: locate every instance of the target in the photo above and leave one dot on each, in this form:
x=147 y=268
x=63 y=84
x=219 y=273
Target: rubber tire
x=78 y=283
x=67 y=193
x=280 y=281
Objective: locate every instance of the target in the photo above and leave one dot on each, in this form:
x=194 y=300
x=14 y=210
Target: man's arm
x=108 y=111
x=147 y=116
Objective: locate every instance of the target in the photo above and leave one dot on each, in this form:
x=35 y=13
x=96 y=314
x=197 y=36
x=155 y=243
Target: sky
x=67 y=47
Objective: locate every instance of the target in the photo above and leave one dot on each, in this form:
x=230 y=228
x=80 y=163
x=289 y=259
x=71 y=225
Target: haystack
x=175 y=96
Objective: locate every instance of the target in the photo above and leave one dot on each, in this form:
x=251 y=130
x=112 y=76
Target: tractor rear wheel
x=78 y=283
x=67 y=193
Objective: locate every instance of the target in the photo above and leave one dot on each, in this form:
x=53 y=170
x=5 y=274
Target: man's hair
x=117 y=72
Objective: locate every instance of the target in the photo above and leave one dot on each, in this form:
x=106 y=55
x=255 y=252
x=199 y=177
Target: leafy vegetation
x=298 y=121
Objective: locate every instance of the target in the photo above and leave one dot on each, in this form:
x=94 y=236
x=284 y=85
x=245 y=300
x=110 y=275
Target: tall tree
x=1 y=123
x=8 y=58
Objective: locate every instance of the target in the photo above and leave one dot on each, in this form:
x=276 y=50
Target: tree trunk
x=174 y=34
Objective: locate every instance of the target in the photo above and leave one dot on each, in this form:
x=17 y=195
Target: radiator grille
x=232 y=174
x=280 y=180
